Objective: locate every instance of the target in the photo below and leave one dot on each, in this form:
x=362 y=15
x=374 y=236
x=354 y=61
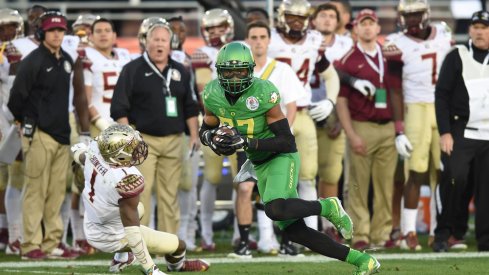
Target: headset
x=40 y=34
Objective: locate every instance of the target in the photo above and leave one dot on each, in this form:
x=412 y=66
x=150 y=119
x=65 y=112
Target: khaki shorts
x=330 y=156
x=307 y=145
x=422 y=131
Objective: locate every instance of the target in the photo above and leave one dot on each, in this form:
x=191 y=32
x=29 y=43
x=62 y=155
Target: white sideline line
x=307 y=259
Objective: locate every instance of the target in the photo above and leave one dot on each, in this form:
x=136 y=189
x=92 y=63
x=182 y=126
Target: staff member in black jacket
x=39 y=100
x=154 y=93
x=462 y=113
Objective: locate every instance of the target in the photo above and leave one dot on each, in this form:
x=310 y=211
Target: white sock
x=76 y=222
x=121 y=256
x=207 y=201
x=65 y=215
x=13 y=207
x=151 y=212
x=307 y=191
x=408 y=222
x=268 y=240
x=81 y=207
x=433 y=212
x=184 y=202
x=235 y=220
x=3 y=220
x=193 y=208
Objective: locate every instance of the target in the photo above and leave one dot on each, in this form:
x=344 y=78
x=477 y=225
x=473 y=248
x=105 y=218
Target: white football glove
x=102 y=124
x=365 y=87
x=77 y=150
x=403 y=146
x=321 y=110
x=84 y=138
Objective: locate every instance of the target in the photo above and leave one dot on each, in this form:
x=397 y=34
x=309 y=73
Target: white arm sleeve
x=332 y=83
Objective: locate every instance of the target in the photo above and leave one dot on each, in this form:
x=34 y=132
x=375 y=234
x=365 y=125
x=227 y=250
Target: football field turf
x=396 y=263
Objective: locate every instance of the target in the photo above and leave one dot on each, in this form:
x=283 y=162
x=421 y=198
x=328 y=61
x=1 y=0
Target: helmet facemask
x=235 y=68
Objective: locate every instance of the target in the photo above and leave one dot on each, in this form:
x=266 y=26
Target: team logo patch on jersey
x=273 y=98
x=252 y=103
x=175 y=75
x=67 y=66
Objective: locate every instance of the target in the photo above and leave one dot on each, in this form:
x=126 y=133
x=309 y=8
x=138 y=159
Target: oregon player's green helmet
x=235 y=65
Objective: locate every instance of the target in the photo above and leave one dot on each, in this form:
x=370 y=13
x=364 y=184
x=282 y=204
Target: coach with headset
x=39 y=102
x=154 y=94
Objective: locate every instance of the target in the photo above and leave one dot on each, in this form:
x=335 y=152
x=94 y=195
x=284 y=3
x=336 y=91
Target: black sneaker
x=289 y=250
x=241 y=252
x=440 y=246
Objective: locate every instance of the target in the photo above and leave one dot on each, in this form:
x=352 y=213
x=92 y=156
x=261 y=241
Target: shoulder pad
x=390 y=49
x=200 y=59
x=130 y=186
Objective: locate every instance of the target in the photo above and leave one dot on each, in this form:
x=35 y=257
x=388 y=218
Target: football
x=225 y=131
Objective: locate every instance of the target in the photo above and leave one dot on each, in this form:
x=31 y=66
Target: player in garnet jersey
x=415 y=56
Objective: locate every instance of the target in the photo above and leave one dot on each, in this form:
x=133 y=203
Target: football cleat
x=62 y=252
x=410 y=242
x=394 y=238
x=334 y=212
x=34 y=255
x=207 y=247
x=241 y=252
x=13 y=248
x=289 y=250
x=368 y=265
x=82 y=247
x=116 y=266
x=195 y=266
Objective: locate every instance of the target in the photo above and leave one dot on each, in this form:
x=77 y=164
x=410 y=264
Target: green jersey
x=248 y=114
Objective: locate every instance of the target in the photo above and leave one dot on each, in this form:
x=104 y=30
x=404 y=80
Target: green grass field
x=393 y=262
x=458 y=263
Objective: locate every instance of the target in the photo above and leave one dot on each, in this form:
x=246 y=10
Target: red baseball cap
x=54 y=22
x=364 y=14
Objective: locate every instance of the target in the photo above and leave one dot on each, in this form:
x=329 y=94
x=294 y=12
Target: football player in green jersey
x=243 y=112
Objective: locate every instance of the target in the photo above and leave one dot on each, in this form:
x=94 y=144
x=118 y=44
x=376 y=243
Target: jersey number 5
x=108 y=87
x=431 y=56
